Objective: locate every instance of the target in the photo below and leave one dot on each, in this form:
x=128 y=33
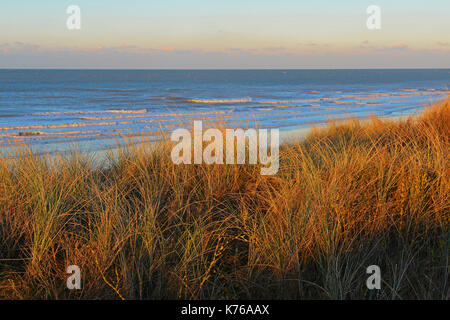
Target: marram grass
x=348 y=196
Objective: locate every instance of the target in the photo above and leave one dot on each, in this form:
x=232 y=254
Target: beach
x=347 y=196
x=55 y=110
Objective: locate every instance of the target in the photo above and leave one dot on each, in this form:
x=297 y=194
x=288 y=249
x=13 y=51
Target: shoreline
x=292 y=134
x=121 y=111
x=300 y=133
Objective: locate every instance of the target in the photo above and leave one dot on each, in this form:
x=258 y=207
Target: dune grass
x=347 y=196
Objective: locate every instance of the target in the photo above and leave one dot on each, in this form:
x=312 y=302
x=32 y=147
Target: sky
x=231 y=34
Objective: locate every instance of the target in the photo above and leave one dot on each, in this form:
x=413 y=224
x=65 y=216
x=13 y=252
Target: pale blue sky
x=224 y=34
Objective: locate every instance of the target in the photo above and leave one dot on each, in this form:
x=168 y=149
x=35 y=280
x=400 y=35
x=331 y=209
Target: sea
x=92 y=110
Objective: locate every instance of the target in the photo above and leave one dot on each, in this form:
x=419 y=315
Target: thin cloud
x=399 y=46
x=18 y=47
x=22 y=55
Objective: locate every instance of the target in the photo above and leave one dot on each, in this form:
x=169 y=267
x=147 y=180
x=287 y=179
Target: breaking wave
x=220 y=100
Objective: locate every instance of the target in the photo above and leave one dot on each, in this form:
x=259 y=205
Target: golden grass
x=346 y=197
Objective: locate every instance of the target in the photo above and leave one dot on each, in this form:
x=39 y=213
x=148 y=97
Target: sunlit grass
x=348 y=196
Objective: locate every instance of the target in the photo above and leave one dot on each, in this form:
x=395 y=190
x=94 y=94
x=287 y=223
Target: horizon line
x=222 y=69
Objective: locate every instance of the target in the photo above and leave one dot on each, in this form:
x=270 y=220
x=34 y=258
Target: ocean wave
x=239 y=100
x=58 y=113
x=288 y=101
x=108 y=90
x=126 y=111
x=180 y=114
